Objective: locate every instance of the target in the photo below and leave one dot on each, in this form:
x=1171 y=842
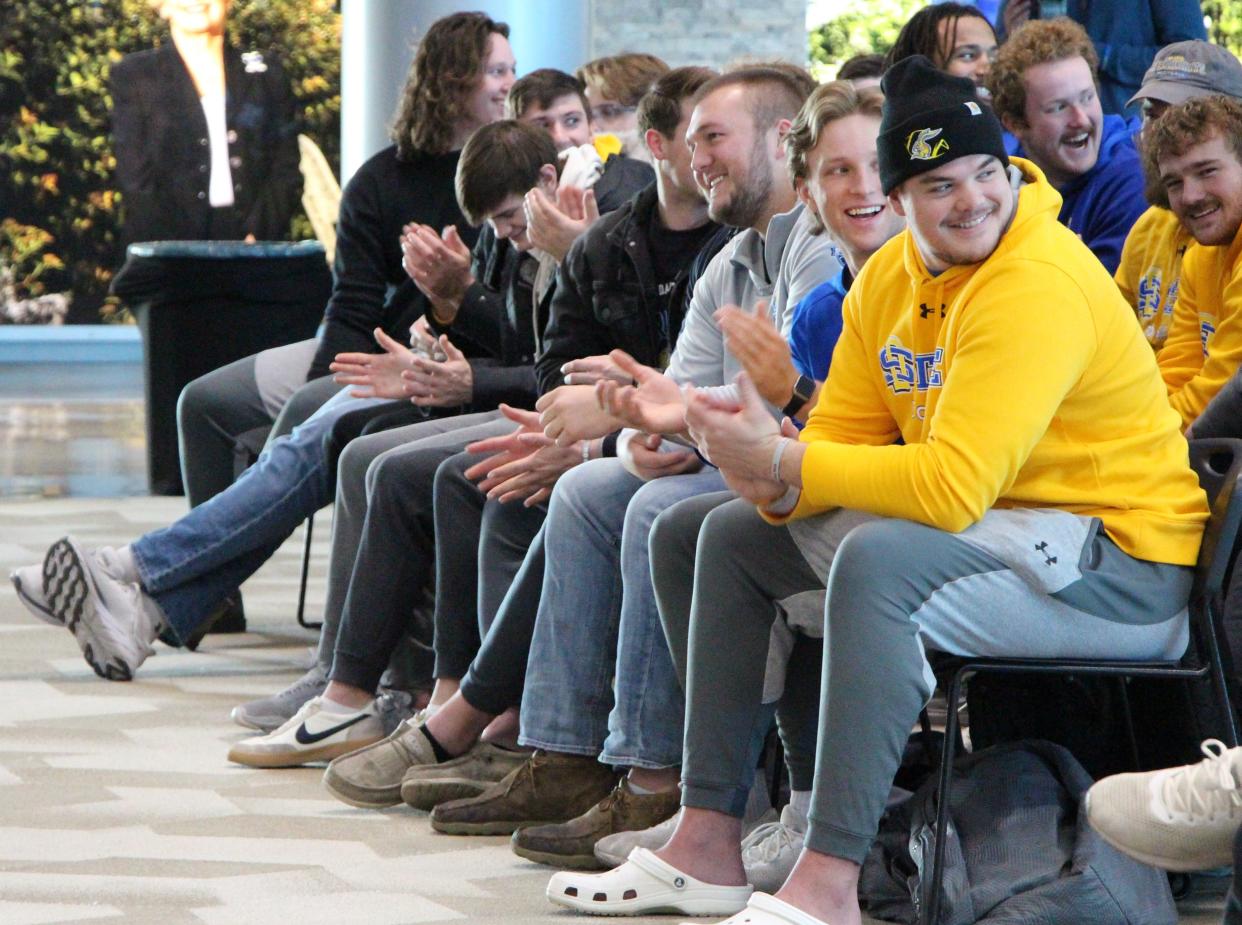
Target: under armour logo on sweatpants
x=1048 y=560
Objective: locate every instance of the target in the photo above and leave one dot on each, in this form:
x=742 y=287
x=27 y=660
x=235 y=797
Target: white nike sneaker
x=770 y=851
x=311 y=734
x=113 y=621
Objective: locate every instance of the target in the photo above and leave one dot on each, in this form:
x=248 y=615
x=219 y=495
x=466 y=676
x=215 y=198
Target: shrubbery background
x=58 y=200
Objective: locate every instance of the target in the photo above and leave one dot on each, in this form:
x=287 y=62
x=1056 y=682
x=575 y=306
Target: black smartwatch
x=803 y=391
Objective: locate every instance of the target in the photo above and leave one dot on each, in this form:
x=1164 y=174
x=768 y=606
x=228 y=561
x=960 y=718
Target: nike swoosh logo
x=310 y=738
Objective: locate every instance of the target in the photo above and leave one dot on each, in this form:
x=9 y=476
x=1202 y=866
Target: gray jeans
x=894 y=588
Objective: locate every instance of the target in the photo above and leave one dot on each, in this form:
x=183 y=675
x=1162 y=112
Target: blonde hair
x=625 y=77
x=828 y=103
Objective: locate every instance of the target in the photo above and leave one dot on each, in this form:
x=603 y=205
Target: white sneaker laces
x=1202 y=792
x=769 y=841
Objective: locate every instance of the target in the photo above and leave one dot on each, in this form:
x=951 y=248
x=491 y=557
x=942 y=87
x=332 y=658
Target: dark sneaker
x=572 y=844
x=426 y=786
x=548 y=787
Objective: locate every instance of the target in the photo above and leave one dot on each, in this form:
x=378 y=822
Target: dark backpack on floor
x=1018 y=851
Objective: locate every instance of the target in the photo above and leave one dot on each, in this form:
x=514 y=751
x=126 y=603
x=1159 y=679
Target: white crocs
x=644 y=884
x=763 y=909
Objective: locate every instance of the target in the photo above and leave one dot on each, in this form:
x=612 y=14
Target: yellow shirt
x=1150 y=270
x=1204 y=347
x=1021 y=381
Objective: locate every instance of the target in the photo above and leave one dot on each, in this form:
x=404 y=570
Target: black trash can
x=203 y=304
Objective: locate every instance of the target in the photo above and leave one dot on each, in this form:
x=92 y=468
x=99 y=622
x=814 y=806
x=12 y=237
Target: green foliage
x=56 y=161
x=864 y=27
x=1224 y=19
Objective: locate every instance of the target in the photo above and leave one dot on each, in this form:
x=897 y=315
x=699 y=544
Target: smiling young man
x=1149 y=274
x=1039 y=504
x=1045 y=91
x=1195 y=151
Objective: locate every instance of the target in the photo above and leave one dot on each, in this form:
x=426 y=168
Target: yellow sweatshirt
x=1204 y=348
x=1021 y=381
x=1150 y=268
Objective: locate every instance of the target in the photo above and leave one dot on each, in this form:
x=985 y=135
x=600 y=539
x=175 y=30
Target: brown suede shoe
x=549 y=787
x=572 y=844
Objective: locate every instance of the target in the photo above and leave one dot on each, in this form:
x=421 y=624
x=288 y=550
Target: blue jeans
x=598 y=622
x=190 y=566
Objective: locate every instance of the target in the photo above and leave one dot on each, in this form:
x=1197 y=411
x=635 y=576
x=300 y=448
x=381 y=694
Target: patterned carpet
x=117 y=803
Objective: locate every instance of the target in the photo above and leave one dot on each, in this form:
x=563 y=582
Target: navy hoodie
x=1104 y=203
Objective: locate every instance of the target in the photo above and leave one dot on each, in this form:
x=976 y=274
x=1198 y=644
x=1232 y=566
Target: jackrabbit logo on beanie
x=931 y=118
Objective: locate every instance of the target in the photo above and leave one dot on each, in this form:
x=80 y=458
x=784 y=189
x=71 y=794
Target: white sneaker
x=770 y=851
x=311 y=734
x=613 y=850
x=113 y=621
x=1181 y=819
x=28 y=583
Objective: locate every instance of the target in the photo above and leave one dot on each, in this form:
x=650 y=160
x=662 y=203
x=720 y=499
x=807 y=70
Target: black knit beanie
x=929 y=119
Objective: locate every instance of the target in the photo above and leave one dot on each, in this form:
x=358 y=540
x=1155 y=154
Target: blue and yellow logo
x=906 y=371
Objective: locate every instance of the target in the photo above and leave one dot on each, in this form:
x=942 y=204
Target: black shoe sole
x=66 y=586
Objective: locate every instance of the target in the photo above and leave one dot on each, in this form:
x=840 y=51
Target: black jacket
x=163 y=155
x=497 y=314
x=607 y=296
x=370 y=288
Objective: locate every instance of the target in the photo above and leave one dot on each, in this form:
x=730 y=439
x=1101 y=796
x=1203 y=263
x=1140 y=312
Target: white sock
x=122 y=565
x=635 y=788
x=800 y=803
x=339 y=709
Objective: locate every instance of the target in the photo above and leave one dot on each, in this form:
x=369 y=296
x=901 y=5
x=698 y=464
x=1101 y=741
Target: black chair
x=1218 y=464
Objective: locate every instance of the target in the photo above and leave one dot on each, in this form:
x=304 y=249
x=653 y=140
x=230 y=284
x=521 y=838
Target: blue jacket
x=816 y=326
x=1101 y=205
x=1127 y=36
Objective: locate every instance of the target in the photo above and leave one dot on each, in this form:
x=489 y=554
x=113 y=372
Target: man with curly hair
x=1045 y=89
x=1195 y=151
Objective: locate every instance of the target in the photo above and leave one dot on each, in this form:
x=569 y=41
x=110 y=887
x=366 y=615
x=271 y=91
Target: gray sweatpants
x=893 y=589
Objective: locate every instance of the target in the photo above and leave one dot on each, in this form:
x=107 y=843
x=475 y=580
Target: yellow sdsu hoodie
x=1018 y=382
x=1204 y=348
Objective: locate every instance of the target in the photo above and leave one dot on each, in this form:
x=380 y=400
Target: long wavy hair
x=446 y=69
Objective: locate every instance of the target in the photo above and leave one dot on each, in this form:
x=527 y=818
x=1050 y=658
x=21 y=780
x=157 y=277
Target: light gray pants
x=893 y=589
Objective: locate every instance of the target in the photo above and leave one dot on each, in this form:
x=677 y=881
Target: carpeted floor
x=117 y=803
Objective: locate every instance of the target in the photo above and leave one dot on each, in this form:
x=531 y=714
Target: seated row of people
x=736 y=452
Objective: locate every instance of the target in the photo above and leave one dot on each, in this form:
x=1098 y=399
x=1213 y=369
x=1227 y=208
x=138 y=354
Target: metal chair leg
x=932 y=894
x=306 y=556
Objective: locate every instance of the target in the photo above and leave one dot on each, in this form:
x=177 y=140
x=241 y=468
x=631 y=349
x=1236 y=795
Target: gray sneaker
x=371 y=777
x=269 y=713
x=770 y=851
x=426 y=786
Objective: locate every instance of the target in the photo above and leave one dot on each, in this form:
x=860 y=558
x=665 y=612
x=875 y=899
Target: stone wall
x=710 y=32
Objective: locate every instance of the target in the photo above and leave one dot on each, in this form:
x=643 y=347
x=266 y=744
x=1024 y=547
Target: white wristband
x=776 y=458
x=586 y=450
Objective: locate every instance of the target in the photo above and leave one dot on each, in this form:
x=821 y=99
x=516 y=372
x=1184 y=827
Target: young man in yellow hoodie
x=1040 y=505
x=1195 y=152
x=1150 y=271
